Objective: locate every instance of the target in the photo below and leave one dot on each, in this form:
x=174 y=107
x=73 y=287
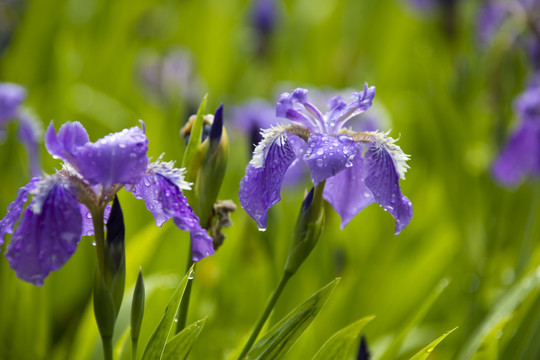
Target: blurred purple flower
x=63 y=204
x=264 y=15
x=332 y=153
x=171 y=76
x=490 y=17
x=520 y=158
x=30 y=131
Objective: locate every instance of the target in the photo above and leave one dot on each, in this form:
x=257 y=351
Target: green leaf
x=278 y=340
x=500 y=312
x=342 y=343
x=156 y=345
x=180 y=345
x=392 y=351
x=425 y=352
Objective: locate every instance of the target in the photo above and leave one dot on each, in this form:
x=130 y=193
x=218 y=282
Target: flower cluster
x=359 y=168
x=63 y=204
x=521 y=156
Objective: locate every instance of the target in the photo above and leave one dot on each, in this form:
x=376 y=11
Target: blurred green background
x=457 y=263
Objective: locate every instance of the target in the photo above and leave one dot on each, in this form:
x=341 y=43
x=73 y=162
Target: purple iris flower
x=264 y=15
x=354 y=178
x=521 y=156
x=30 y=130
x=63 y=204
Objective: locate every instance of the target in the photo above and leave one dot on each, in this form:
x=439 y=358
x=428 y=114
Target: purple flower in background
x=30 y=131
x=354 y=178
x=490 y=17
x=520 y=157
x=264 y=15
x=64 y=203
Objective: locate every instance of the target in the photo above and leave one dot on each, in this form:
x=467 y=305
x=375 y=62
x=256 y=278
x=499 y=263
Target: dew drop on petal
x=319 y=162
x=88 y=215
x=320 y=152
x=262 y=229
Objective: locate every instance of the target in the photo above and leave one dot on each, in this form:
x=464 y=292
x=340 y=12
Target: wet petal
x=11 y=97
x=161 y=189
x=382 y=179
x=347 y=193
x=341 y=112
x=118 y=158
x=30 y=132
x=88 y=223
x=292 y=106
x=15 y=209
x=328 y=155
x=45 y=240
x=298 y=169
x=260 y=187
x=521 y=156
x=62 y=145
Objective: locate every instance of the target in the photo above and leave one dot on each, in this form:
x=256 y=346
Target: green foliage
x=280 y=338
x=343 y=343
x=425 y=352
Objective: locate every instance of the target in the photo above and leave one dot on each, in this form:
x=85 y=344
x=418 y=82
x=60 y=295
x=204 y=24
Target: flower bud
x=307 y=230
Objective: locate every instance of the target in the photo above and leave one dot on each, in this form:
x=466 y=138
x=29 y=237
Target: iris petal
x=383 y=181
x=118 y=158
x=328 y=155
x=62 y=145
x=260 y=187
x=11 y=96
x=15 y=209
x=164 y=199
x=44 y=241
x=347 y=193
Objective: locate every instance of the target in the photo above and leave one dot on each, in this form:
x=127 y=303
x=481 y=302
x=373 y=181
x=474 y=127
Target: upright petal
x=15 y=209
x=347 y=193
x=11 y=97
x=118 y=158
x=62 y=145
x=382 y=178
x=341 y=112
x=328 y=155
x=260 y=187
x=291 y=106
x=45 y=240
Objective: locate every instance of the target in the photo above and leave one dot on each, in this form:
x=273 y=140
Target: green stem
x=99 y=236
x=181 y=316
x=134 y=344
x=107 y=347
x=527 y=244
x=262 y=320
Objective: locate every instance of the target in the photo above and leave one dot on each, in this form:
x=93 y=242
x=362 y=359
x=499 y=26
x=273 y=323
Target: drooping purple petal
x=328 y=155
x=298 y=169
x=11 y=97
x=161 y=189
x=521 y=156
x=260 y=187
x=30 y=132
x=118 y=158
x=62 y=145
x=15 y=209
x=382 y=179
x=45 y=240
x=346 y=191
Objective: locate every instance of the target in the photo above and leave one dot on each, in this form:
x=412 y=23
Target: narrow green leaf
x=156 y=345
x=392 y=351
x=180 y=345
x=425 y=352
x=502 y=309
x=192 y=153
x=343 y=343
x=278 y=340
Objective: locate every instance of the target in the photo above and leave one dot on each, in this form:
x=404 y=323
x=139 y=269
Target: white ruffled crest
x=168 y=171
x=43 y=188
x=398 y=156
x=277 y=134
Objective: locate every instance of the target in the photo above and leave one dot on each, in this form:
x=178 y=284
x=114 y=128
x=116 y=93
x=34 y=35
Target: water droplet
x=93 y=243
x=348 y=164
x=320 y=152
x=332 y=123
x=132 y=155
x=122 y=145
x=345 y=151
x=319 y=162
x=88 y=215
x=331 y=153
x=429 y=350
x=262 y=229
x=335 y=143
x=393 y=199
